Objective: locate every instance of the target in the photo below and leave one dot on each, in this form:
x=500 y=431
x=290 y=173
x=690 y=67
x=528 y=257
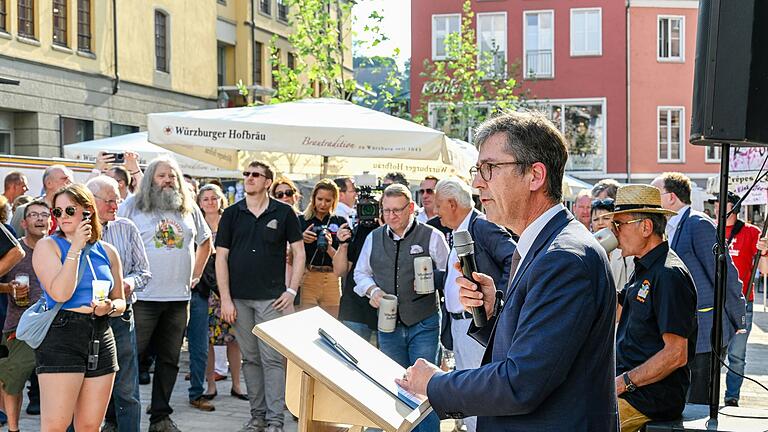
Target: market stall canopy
x=323 y=127
x=202 y=163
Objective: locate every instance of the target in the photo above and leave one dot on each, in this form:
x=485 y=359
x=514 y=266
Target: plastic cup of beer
x=100 y=290
x=21 y=299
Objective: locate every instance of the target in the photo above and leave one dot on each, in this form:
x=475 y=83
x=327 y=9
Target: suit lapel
x=679 y=229
x=551 y=229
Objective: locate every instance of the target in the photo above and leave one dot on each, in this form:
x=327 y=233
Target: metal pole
x=721 y=279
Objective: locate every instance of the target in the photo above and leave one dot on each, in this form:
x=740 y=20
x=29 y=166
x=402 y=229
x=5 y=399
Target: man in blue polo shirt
x=656 y=337
x=252 y=237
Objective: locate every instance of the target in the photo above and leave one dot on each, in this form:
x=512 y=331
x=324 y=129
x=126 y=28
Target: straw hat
x=639 y=199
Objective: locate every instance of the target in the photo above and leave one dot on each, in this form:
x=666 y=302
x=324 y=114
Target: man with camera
x=387 y=265
x=347 y=199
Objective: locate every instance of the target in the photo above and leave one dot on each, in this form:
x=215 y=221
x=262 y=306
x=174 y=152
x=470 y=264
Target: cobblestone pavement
x=231 y=413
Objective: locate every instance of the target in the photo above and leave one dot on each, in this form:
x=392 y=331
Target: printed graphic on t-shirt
x=169 y=235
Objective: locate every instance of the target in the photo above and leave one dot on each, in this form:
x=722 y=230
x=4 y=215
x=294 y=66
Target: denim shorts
x=65 y=347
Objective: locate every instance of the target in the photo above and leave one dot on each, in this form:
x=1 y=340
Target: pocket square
x=416 y=249
x=272 y=224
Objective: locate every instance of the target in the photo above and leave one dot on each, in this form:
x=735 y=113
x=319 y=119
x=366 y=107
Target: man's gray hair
x=50 y=170
x=97 y=184
x=396 y=190
x=455 y=189
x=144 y=193
x=529 y=138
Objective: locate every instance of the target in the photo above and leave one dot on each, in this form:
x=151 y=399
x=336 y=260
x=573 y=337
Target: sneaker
x=273 y=428
x=254 y=425
x=202 y=404
x=164 y=425
x=732 y=402
x=33 y=408
x=109 y=427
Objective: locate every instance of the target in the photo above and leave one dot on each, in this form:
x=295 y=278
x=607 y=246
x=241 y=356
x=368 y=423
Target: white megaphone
x=607 y=240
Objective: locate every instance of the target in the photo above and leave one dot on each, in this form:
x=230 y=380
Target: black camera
x=367 y=206
x=322 y=242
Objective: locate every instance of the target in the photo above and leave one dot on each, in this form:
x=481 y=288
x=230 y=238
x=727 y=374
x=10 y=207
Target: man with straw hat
x=656 y=337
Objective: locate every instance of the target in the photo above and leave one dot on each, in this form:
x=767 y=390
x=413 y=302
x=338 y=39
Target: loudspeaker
x=730 y=88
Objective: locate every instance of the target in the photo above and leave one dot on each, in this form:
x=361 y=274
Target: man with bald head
x=55 y=177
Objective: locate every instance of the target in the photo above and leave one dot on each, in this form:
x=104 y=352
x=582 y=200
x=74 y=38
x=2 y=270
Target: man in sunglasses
x=549 y=355
x=656 y=336
x=427 y=196
x=692 y=235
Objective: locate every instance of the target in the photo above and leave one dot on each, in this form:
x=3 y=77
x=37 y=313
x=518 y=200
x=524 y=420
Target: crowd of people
x=136 y=260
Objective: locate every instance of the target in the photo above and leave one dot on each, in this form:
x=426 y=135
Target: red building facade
x=590 y=68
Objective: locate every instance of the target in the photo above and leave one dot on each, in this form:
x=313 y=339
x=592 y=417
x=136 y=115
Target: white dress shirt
x=452 y=303
x=532 y=231
x=346 y=212
x=438 y=250
x=674 y=222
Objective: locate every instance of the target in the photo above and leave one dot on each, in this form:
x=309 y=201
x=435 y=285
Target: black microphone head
x=462 y=242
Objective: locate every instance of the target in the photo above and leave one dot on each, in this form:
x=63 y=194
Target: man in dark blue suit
x=549 y=360
x=494 y=249
x=692 y=234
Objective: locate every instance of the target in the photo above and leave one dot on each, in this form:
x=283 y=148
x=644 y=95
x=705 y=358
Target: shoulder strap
x=734 y=231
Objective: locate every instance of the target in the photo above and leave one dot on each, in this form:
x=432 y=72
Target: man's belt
x=460 y=315
x=321 y=269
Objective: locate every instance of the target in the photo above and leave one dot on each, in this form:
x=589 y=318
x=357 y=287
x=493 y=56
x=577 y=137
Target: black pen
x=340 y=349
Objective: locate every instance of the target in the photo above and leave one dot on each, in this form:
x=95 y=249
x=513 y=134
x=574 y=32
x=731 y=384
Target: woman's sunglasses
x=70 y=211
x=279 y=195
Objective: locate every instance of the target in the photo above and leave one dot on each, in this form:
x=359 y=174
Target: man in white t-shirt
x=178 y=243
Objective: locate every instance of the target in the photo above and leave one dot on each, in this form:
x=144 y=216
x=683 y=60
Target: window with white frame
x=442 y=26
x=671 y=134
x=582 y=122
x=492 y=43
x=713 y=154
x=539 y=38
x=586 y=32
x=671 y=36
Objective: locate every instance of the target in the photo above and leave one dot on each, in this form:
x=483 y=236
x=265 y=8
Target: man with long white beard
x=171 y=225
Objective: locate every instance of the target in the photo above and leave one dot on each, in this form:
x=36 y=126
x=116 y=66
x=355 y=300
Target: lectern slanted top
x=296 y=337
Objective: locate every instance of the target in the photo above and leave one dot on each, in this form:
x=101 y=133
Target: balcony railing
x=538 y=64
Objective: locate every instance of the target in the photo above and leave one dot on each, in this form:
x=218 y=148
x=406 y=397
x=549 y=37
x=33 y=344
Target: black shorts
x=65 y=347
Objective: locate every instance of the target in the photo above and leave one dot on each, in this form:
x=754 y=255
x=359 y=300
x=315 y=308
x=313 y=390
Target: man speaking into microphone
x=549 y=346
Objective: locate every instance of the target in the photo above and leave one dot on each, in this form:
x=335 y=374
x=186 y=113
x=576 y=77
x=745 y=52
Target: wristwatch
x=630 y=386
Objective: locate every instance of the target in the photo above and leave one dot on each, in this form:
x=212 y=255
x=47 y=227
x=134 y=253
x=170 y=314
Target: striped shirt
x=125 y=237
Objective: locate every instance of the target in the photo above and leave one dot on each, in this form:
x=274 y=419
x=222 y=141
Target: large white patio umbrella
x=322 y=127
x=137 y=142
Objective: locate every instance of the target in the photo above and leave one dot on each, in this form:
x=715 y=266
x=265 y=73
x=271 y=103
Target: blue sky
x=396 y=25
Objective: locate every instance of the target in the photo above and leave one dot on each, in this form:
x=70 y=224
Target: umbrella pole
x=325 y=165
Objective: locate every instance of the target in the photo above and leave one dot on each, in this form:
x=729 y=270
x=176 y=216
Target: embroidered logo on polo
x=169 y=235
x=643 y=292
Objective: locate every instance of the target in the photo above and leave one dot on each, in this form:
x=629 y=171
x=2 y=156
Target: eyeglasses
x=428 y=191
x=289 y=193
x=617 y=225
x=396 y=212
x=603 y=204
x=486 y=169
x=113 y=202
x=253 y=174
x=35 y=215
x=70 y=211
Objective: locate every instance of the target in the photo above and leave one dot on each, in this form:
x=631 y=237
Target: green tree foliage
x=468 y=86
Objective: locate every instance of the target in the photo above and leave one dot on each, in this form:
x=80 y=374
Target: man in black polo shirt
x=250 y=271
x=656 y=337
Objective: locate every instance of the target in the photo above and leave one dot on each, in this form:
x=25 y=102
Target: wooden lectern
x=322 y=387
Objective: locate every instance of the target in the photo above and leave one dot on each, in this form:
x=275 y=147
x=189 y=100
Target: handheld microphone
x=465 y=250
